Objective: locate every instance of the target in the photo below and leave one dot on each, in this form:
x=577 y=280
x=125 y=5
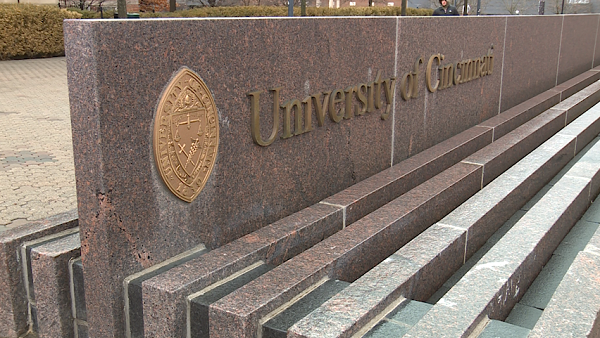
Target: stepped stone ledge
x=405 y=207
x=495 y=284
x=433 y=256
x=359 y=200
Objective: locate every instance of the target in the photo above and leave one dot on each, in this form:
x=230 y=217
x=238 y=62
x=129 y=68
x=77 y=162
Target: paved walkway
x=36 y=151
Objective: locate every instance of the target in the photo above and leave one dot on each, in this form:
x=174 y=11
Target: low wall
x=352 y=97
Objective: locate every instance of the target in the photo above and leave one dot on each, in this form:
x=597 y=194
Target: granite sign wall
x=303 y=108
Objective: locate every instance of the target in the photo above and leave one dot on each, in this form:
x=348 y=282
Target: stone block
x=523 y=75
x=499 y=329
x=516 y=116
x=576 y=49
x=13 y=297
x=579 y=102
x=568 y=167
x=586 y=127
x=346 y=255
x=573 y=310
x=487 y=210
x=524 y=316
x=134 y=310
x=77 y=284
x=400 y=320
x=414 y=271
x=385 y=329
x=123 y=203
x=277 y=327
x=495 y=284
x=50 y=276
x=577 y=83
x=199 y=302
x=586 y=168
x=164 y=296
x=505 y=152
x=370 y=194
x=429 y=118
x=540 y=292
x=578 y=238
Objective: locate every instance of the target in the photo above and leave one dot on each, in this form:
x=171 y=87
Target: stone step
x=134 y=316
x=573 y=308
x=500 y=329
x=46 y=274
x=400 y=320
x=433 y=256
x=276 y=326
x=495 y=284
x=338 y=255
x=199 y=302
x=14 y=313
x=273 y=245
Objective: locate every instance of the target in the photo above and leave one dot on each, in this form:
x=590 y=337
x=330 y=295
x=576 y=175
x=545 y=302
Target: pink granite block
x=578 y=83
x=579 y=102
x=430 y=118
x=514 y=117
x=164 y=306
x=370 y=194
x=414 y=272
x=576 y=49
x=13 y=298
x=505 y=152
x=123 y=203
x=523 y=75
x=575 y=305
x=50 y=272
x=346 y=255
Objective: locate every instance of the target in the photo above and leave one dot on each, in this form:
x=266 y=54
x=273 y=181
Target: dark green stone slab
x=199 y=306
x=499 y=329
x=277 y=327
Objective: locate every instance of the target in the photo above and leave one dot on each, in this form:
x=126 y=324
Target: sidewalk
x=36 y=151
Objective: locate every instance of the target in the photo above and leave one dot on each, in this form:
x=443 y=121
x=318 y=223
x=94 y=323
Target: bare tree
x=570 y=6
x=83 y=4
x=516 y=6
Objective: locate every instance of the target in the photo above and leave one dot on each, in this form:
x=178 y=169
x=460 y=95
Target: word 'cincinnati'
x=447 y=74
x=338 y=104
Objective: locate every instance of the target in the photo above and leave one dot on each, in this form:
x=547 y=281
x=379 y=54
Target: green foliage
x=28 y=31
x=254 y=11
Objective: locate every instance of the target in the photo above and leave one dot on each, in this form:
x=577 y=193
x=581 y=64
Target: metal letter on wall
x=186 y=135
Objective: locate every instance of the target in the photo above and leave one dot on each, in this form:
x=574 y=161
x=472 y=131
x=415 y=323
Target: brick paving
x=36 y=151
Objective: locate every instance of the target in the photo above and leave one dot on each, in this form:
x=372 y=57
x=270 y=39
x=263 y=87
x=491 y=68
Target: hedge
x=252 y=11
x=29 y=31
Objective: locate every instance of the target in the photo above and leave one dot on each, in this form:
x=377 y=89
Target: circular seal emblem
x=186 y=135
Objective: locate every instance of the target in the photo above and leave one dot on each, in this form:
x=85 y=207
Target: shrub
x=253 y=11
x=28 y=31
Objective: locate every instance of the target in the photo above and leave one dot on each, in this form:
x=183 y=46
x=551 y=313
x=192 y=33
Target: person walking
x=445 y=10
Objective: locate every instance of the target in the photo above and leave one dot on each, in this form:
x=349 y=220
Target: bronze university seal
x=186 y=135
